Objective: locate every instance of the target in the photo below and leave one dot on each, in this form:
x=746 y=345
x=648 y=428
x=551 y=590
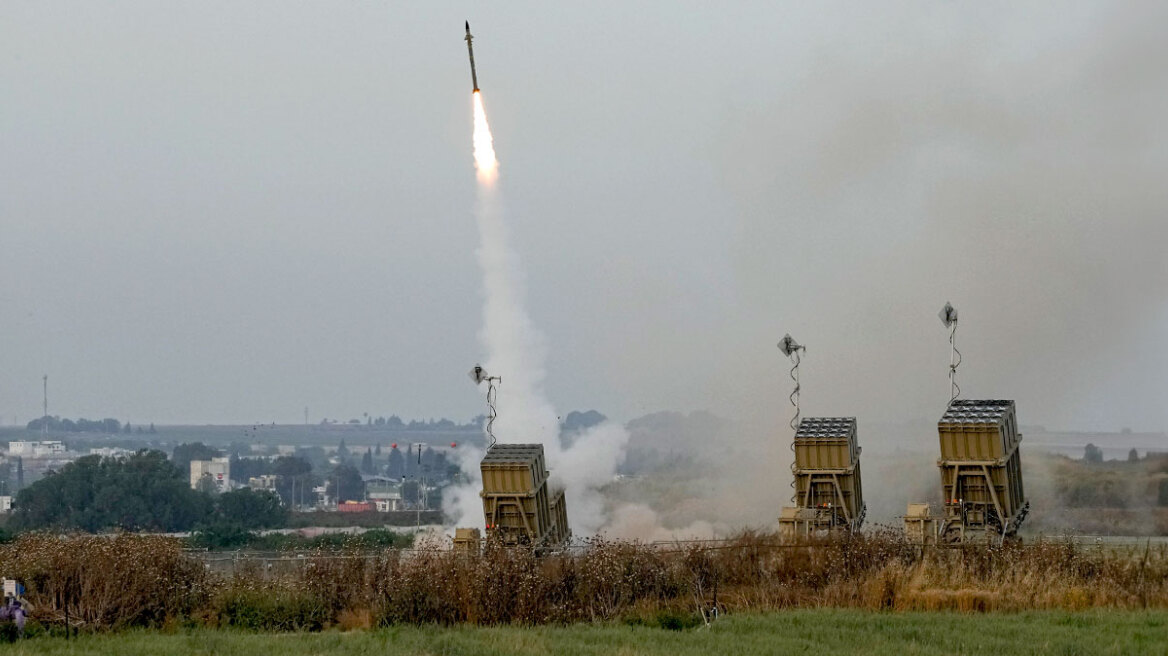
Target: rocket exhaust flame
x=484 y=146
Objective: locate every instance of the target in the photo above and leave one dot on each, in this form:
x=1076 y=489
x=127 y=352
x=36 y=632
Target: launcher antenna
x=480 y=376
x=792 y=349
x=948 y=315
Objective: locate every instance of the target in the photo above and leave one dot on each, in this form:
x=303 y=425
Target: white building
x=5 y=504
x=218 y=470
x=46 y=449
x=263 y=482
x=110 y=451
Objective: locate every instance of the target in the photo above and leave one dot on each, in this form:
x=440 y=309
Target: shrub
x=105 y=582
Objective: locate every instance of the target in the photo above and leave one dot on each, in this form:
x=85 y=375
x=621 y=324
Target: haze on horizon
x=225 y=213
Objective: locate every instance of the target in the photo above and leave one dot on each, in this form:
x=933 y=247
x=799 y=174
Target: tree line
x=108 y=426
x=141 y=492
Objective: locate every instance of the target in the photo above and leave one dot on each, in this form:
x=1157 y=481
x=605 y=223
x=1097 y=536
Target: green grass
x=823 y=633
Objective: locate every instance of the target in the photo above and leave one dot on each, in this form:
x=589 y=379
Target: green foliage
x=243 y=469
x=823 y=632
x=351 y=487
x=411 y=491
x=236 y=515
x=228 y=537
x=251 y=509
x=271 y=610
x=670 y=619
x=397 y=463
x=371 y=519
x=296 y=480
x=140 y=492
x=219 y=536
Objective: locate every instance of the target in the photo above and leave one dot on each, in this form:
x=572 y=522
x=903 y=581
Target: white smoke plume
x=516 y=352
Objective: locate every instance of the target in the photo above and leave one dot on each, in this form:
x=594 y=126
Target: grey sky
x=220 y=212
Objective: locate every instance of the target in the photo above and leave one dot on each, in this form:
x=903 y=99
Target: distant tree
x=185 y=453
x=441 y=465
x=397 y=464
x=342 y=450
x=296 y=479
x=251 y=509
x=140 y=492
x=1092 y=453
x=244 y=469
x=1163 y=492
x=377 y=450
x=291 y=466
x=367 y=462
x=345 y=484
x=394 y=423
x=206 y=485
x=410 y=491
x=151 y=430
x=428 y=457
x=1133 y=456
x=126 y=429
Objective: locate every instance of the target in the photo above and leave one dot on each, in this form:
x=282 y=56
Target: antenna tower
x=948 y=317
x=480 y=376
x=792 y=349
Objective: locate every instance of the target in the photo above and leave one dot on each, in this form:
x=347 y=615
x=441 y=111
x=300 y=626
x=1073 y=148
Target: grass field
x=821 y=632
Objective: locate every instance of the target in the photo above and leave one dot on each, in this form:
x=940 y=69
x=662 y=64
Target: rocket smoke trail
x=516 y=350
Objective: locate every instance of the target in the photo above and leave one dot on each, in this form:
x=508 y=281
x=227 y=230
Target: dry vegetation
x=112 y=583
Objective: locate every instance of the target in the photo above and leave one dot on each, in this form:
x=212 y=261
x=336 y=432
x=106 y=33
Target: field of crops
x=826 y=632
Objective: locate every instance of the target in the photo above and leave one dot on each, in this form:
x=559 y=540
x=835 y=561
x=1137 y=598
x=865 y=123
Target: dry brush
x=110 y=583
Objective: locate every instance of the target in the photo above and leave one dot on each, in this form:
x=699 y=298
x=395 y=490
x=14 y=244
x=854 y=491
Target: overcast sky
x=225 y=212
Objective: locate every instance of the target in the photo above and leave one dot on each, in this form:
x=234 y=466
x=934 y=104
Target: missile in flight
x=474 y=78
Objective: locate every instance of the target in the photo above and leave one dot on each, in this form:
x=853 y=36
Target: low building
x=263 y=482
x=387 y=501
x=216 y=470
x=5 y=504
